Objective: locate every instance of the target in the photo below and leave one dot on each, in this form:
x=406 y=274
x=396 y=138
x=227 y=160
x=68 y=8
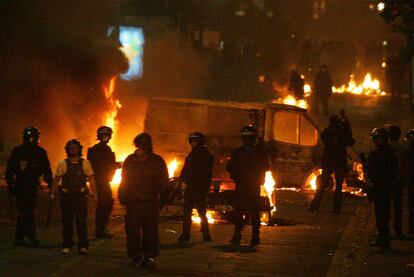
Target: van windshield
x=293 y=128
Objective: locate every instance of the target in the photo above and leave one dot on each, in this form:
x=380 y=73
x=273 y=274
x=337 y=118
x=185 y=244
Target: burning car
x=289 y=135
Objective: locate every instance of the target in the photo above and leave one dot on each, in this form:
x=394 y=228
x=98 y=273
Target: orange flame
x=370 y=86
x=172 y=167
x=292 y=101
x=268 y=189
x=210 y=216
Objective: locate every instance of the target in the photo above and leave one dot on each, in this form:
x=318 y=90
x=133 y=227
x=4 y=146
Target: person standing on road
x=382 y=172
x=104 y=165
x=71 y=177
x=247 y=167
x=144 y=179
x=196 y=175
x=296 y=84
x=27 y=165
x=394 y=133
x=322 y=90
x=336 y=138
x=410 y=156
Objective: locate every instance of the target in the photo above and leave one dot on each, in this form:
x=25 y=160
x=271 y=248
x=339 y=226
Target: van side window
x=294 y=128
x=286 y=127
x=308 y=133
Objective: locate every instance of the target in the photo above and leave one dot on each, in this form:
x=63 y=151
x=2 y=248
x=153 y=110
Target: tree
x=399 y=14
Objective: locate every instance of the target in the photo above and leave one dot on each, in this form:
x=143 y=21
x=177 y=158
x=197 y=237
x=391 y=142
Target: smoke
x=55 y=59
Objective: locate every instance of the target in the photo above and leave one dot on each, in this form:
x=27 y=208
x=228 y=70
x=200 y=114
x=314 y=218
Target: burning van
x=290 y=137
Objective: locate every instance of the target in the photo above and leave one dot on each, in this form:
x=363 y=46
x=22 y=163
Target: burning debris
x=292 y=101
x=172 y=168
x=268 y=189
x=369 y=86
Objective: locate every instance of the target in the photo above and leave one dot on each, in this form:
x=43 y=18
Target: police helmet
x=31 y=135
x=76 y=143
x=199 y=137
x=410 y=134
x=248 y=131
x=379 y=133
x=394 y=132
x=104 y=131
x=143 y=141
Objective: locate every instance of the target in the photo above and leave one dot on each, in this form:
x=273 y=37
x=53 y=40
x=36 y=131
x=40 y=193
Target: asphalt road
x=301 y=244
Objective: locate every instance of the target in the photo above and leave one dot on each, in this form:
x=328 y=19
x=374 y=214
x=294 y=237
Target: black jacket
x=198 y=170
x=103 y=162
x=383 y=166
x=323 y=84
x=247 y=168
x=336 y=138
x=143 y=180
x=26 y=164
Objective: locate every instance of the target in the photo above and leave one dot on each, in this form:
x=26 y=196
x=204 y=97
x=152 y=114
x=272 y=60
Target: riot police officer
x=382 y=173
x=28 y=163
x=71 y=177
x=336 y=138
x=394 y=133
x=247 y=167
x=144 y=178
x=104 y=165
x=410 y=156
x=196 y=174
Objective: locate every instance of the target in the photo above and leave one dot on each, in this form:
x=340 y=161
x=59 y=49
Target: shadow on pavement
x=391 y=252
x=228 y=248
x=178 y=245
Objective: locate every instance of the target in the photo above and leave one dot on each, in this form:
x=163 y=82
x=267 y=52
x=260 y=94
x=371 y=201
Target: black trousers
x=141 y=226
x=397 y=193
x=242 y=205
x=74 y=205
x=382 y=203
x=103 y=208
x=411 y=206
x=324 y=102
x=194 y=200
x=26 y=204
x=323 y=182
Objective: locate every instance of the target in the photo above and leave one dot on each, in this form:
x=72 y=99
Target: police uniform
x=410 y=154
x=104 y=165
x=143 y=179
x=382 y=172
x=247 y=167
x=336 y=138
x=27 y=163
x=196 y=173
x=74 y=202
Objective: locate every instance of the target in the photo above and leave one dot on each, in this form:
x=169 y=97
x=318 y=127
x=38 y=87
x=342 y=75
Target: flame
x=172 y=168
x=310 y=183
x=292 y=101
x=113 y=104
x=210 y=216
x=116 y=180
x=369 y=86
x=268 y=189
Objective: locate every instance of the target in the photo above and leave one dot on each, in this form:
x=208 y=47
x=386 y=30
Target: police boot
x=255 y=240
x=184 y=237
x=149 y=263
x=235 y=240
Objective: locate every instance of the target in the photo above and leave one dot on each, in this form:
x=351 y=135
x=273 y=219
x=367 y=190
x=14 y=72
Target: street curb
x=353 y=244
